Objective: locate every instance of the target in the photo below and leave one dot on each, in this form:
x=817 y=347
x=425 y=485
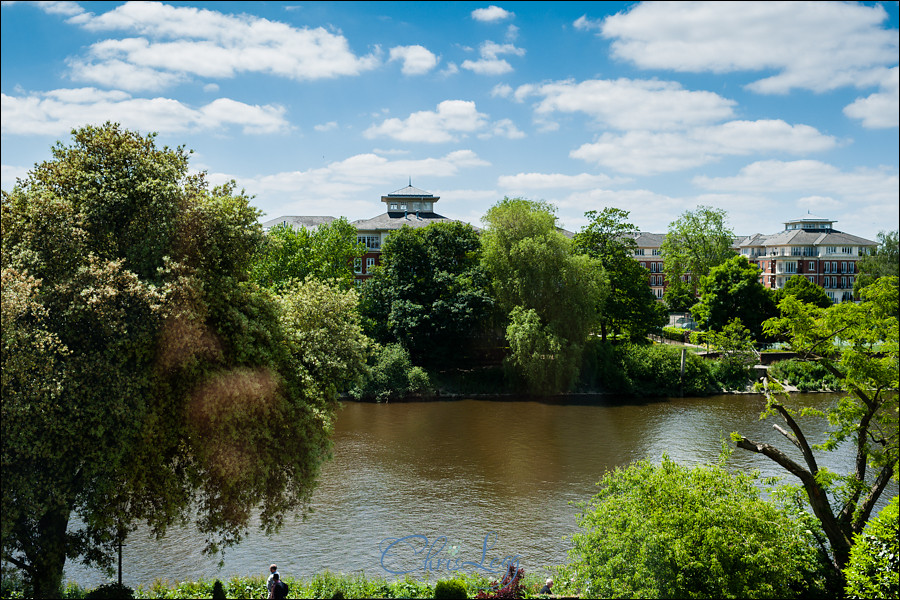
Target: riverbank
x=323 y=585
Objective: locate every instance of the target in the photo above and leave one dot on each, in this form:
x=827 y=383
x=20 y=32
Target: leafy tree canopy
x=858 y=344
x=326 y=252
x=804 y=290
x=669 y=531
x=884 y=262
x=551 y=293
x=430 y=293
x=144 y=378
x=732 y=290
x=874 y=567
x=630 y=305
x=696 y=242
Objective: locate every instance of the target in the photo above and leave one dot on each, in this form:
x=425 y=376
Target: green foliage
x=874 y=568
x=675 y=333
x=430 y=294
x=534 y=269
x=858 y=344
x=326 y=253
x=805 y=375
x=391 y=376
x=883 y=262
x=696 y=242
x=218 y=591
x=732 y=290
x=110 y=591
x=804 y=290
x=449 y=589
x=630 y=306
x=142 y=372
x=669 y=531
x=645 y=370
x=679 y=295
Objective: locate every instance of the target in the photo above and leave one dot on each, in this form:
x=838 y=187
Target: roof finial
x=410 y=181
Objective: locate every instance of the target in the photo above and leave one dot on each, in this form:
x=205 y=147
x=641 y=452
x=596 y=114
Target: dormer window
x=393 y=206
x=403 y=206
x=416 y=206
x=426 y=206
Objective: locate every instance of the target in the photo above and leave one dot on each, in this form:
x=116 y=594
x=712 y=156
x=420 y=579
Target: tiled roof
x=396 y=220
x=411 y=191
x=799 y=237
x=310 y=222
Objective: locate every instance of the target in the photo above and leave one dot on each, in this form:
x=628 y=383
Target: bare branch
x=790 y=436
x=801 y=442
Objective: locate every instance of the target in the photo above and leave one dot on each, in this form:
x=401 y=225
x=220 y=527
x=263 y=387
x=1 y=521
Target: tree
x=858 y=344
x=144 y=378
x=884 y=262
x=804 y=290
x=732 y=290
x=874 y=567
x=430 y=293
x=326 y=252
x=669 y=531
x=696 y=242
x=533 y=267
x=630 y=306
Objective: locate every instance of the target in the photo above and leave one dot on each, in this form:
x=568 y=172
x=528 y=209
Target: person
x=279 y=588
x=273 y=576
x=547 y=586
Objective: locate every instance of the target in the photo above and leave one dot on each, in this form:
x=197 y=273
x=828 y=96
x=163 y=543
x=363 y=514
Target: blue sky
x=767 y=110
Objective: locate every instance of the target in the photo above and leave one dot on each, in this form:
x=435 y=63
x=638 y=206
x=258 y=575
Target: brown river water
x=475 y=481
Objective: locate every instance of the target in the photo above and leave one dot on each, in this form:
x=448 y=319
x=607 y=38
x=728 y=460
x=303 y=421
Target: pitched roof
x=309 y=222
x=410 y=191
x=396 y=220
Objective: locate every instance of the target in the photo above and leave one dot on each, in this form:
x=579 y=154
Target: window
x=370 y=262
x=843 y=267
x=790 y=267
x=812 y=266
x=659 y=293
x=357 y=266
x=403 y=206
x=656 y=252
x=371 y=242
x=847 y=250
x=393 y=206
x=851 y=267
x=834 y=267
x=843 y=282
x=426 y=206
x=638 y=251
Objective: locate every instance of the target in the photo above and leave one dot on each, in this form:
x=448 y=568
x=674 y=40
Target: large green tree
x=630 y=306
x=144 y=377
x=732 y=290
x=696 y=242
x=430 y=293
x=883 y=262
x=326 y=252
x=550 y=292
x=858 y=344
x=804 y=290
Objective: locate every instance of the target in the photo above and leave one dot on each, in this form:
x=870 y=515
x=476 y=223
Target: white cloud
x=503 y=128
x=490 y=63
x=583 y=23
x=69 y=9
x=452 y=118
x=211 y=87
x=647 y=153
x=56 y=112
x=178 y=42
x=501 y=90
x=544 y=181
x=490 y=14
x=813 y=45
x=9 y=174
x=812 y=177
x=417 y=60
x=512 y=32
x=882 y=109
x=630 y=104
x=329 y=126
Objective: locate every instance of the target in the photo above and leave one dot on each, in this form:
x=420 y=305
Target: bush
x=449 y=589
x=218 y=592
x=674 y=333
x=667 y=531
x=806 y=376
x=111 y=591
x=730 y=374
x=874 y=568
x=391 y=376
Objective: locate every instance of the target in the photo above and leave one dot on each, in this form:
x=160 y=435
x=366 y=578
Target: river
x=497 y=478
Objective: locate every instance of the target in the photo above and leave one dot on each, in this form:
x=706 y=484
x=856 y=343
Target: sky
x=770 y=111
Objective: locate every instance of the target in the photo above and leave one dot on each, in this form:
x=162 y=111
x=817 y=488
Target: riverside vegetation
x=150 y=331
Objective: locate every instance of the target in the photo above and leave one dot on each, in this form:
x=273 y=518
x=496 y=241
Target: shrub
x=218 y=592
x=667 y=531
x=449 y=589
x=391 y=376
x=875 y=558
x=111 y=591
x=656 y=371
x=674 y=333
x=806 y=376
x=730 y=374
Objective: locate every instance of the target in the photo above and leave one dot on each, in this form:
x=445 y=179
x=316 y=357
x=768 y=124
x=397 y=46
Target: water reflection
x=463 y=469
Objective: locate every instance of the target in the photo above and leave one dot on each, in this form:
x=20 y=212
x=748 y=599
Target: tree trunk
x=49 y=555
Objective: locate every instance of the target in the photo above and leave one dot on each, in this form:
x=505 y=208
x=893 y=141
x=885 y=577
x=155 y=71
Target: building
x=809 y=246
x=408 y=206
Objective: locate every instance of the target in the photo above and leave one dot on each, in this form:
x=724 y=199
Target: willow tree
x=144 y=378
x=858 y=343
